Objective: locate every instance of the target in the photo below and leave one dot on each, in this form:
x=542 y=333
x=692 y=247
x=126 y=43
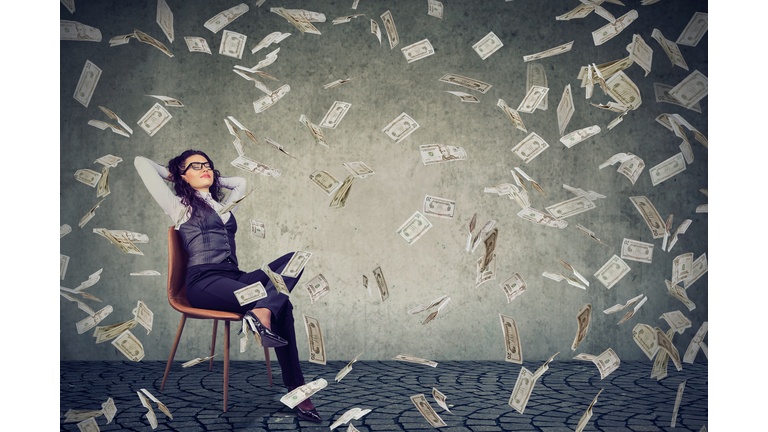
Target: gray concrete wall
x=351 y=242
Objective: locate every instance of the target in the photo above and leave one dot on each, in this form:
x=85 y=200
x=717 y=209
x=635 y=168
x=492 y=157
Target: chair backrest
x=177 y=271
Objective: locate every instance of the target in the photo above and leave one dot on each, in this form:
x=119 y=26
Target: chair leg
x=173 y=350
x=269 y=368
x=213 y=343
x=226 y=363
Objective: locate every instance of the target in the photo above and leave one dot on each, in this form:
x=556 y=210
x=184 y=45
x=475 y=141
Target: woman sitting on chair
x=212 y=272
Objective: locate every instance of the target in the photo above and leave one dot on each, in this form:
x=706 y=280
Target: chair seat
x=182 y=305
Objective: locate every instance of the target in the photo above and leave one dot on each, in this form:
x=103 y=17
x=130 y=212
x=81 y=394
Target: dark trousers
x=212 y=286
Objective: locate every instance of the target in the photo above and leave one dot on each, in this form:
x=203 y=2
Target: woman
x=212 y=272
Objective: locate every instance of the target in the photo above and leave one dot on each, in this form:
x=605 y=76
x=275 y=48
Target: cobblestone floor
x=477 y=394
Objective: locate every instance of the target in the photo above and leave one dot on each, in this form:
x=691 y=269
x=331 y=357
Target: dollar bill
x=439 y=153
x=317 y=133
x=154 y=119
x=580 y=135
x=486 y=273
x=624 y=91
x=69 y=4
x=651 y=217
x=695 y=344
x=109 y=160
x=442 y=303
x=579 y=11
x=513 y=287
x=426 y=410
x=165 y=19
x=358 y=169
x=346 y=417
x=671 y=48
x=667 y=169
x=530 y=147
x=90 y=322
x=513 y=115
x=587 y=414
x=86 y=85
x=146 y=273
x=120 y=240
x=325 y=181
x=417 y=360
x=645 y=338
x=680 y=294
x=612 y=271
x=631 y=165
x=610 y=30
x=511 y=339
x=296 y=264
x=661 y=92
x=376 y=30
x=196 y=361
x=463 y=81
x=641 y=53
x=121 y=40
x=665 y=343
x=317 y=287
x=479 y=237
x=102 y=189
x=129 y=345
x=570 y=207
x=232 y=44
x=346 y=369
x=680 y=230
x=88 y=425
x=490 y=246
x=698 y=268
x=417 y=51
x=465 y=97
x=274 y=37
x=247 y=164
x=316 y=344
x=335 y=114
x=197 y=44
x=366 y=285
x=389 y=26
x=536 y=76
x=589 y=233
x=682 y=267
x=532 y=99
x=268 y=60
x=276 y=279
x=550 y=52
x=522 y=390
x=435 y=10
x=439 y=207
x=104 y=125
x=381 y=284
x=677 y=321
x=606 y=362
x=488 y=45
x=339 y=199
x=413 y=228
x=636 y=250
x=582 y=320
x=267 y=101
x=299 y=18
x=539 y=217
x=337 y=83
x=277 y=146
x=73 y=30
x=88 y=216
x=691 y=89
x=257 y=229
x=704 y=208
x=64 y=230
x=303 y=392
x=399 y=128
x=345 y=19
x=565 y=109
x=149 y=40
x=620 y=307
x=250 y=293
x=221 y=19
x=440 y=399
x=678 y=398
x=695 y=30
x=143 y=315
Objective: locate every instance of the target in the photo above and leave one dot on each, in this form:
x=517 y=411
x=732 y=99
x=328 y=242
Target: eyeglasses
x=197 y=166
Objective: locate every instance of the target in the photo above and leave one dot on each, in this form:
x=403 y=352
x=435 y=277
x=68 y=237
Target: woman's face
x=199 y=180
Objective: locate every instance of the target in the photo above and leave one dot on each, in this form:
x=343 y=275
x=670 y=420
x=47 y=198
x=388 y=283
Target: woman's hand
x=170 y=177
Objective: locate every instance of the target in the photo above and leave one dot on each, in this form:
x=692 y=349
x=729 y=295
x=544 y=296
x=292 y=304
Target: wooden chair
x=177 y=297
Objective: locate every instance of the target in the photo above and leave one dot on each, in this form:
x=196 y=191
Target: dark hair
x=187 y=193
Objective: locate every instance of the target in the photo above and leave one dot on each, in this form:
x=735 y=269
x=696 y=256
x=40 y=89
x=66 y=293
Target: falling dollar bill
x=220 y=20
x=296 y=264
x=197 y=44
x=358 y=169
x=513 y=287
x=530 y=147
x=612 y=271
x=346 y=369
x=587 y=414
x=376 y=30
x=610 y=30
x=317 y=133
x=250 y=293
x=399 y=128
x=334 y=115
x=440 y=399
x=580 y=135
x=665 y=343
x=129 y=345
x=488 y=45
x=550 y=52
x=417 y=51
x=606 y=362
x=413 y=228
x=463 y=81
x=420 y=401
x=381 y=284
x=73 y=30
x=532 y=99
x=267 y=101
x=636 y=250
x=513 y=115
x=247 y=164
x=439 y=153
x=698 y=268
x=645 y=338
x=86 y=85
x=539 y=217
x=389 y=26
x=695 y=344
x=678 y=398
x=522 y=390
x=691 y=89
x=303 y=392
x=651 y=217
x=196 y=361
x=695 y=30
x=417 y=360
x=317 y=287
x=582 y=320
x=676 y=320
x=439 y=207
x=511 y=340
x=316 y=344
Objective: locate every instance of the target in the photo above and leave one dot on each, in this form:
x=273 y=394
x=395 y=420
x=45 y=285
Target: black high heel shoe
x=268 y=339
x=310 y=415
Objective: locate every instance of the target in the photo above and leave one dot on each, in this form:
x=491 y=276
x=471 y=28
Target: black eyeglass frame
x=201 y=165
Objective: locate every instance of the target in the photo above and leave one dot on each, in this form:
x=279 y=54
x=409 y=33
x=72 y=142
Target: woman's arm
x=237 y=185
x=153 y=174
